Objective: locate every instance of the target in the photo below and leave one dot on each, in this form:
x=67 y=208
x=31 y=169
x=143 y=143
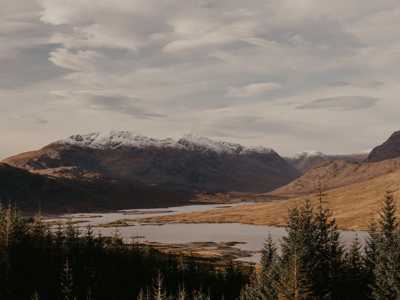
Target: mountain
x=338 y=173
x=353 y=189
x=307 y=160
x=31 y=192
x=388 y=150
x=192 y=163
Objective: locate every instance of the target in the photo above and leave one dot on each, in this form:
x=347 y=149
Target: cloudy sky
x=289 y=74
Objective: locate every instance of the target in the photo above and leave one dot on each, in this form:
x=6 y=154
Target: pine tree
x=311 y=266
x=357 y=275
x=327 y=261
x=66 y=282
x=268 y=276
x=158 y=288
x=386 y=266
x=268 y=254
x=354 y=259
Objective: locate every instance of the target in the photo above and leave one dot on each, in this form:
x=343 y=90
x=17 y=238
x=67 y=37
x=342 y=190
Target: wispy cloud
x=341 y=103
x=122 y=104
x=254 y=89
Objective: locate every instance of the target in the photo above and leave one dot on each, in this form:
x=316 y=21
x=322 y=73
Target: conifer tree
x=158 y=288
x=357 y=275
x=66 y=282
x=295 y=279
x=327 y=261
x=268 y=276
x=386 y=266
x=354 y=259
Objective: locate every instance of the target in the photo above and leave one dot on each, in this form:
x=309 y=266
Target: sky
x=294 y=75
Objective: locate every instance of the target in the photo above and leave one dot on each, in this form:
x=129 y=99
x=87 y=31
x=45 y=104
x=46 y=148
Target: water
x=250 y=237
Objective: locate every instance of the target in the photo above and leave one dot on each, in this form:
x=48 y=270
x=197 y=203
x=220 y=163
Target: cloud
x=253 y=89
x=109 y=101
x=81 y=60
x=168 y=66
x=362 y=84
x=29 y=66
x=122 y=104
x=34 y=118
x=341 y=103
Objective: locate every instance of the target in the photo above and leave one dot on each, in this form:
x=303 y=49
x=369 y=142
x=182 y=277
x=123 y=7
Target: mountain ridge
x=304 y=161
x=388 y=150
x=191 y=163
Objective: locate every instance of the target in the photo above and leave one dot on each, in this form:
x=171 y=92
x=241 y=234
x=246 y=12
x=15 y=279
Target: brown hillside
x=336 y=174
x=354 y=206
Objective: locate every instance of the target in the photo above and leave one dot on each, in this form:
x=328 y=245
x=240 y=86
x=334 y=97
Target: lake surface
x=250 y=237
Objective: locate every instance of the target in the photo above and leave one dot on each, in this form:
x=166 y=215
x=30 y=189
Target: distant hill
x=334 y=174
x=307 y=160
x=186 y=167
x=388 y=150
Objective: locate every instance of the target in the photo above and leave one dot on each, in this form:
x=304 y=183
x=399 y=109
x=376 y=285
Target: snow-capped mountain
x=191 y=163
x=114 y=140
x=120 y=139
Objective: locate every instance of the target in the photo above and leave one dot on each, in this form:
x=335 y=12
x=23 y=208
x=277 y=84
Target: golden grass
x=354 y=206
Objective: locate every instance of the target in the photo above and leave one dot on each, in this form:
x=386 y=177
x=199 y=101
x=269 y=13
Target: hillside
x=388 y=150
x=334 y=174
x=307 y=160
x=354 y=206
x=31 y=192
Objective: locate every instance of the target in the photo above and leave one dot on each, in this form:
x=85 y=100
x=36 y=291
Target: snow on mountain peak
x=192 y=141
x=311 y=153
x=117 y=139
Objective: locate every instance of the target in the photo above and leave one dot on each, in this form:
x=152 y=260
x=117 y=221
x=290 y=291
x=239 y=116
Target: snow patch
x=309 y=154
x=119 y=139
x=115 y=139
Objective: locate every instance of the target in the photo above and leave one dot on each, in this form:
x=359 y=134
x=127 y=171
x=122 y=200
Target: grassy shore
x=354 y=206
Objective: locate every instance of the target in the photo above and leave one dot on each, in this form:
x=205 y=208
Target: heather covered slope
x=191 y=163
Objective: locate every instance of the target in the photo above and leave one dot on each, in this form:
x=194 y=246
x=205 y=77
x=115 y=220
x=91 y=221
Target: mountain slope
x=192 y=163
x=31 y=192
x=388 y=150
x=307 y=160
x=334 y=174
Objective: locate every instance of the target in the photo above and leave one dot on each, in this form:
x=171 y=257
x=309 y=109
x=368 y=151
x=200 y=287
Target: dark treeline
x=311 y=263
x=37 y=263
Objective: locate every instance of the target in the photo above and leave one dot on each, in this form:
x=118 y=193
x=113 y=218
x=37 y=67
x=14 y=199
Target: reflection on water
x=251 y=236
